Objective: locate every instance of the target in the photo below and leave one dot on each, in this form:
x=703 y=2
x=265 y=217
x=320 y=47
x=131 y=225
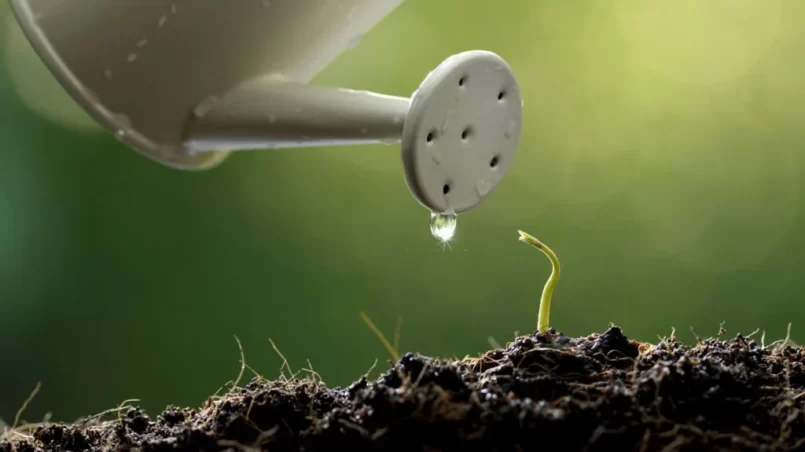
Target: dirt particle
x=136 y=420
x=173 y=416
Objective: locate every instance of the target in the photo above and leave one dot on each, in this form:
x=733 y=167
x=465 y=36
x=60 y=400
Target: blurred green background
x=661 y=157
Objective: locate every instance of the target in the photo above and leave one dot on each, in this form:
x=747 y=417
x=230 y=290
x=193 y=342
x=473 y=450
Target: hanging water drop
x=443 y=226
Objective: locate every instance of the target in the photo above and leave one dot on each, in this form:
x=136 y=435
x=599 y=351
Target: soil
x=543 y=391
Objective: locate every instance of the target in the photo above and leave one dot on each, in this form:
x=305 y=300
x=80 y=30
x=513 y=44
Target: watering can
x=186 y=82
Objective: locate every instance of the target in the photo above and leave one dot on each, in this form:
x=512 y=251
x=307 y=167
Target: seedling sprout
x=544 y=317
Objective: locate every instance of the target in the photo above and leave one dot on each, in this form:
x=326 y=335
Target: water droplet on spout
x=443 y=226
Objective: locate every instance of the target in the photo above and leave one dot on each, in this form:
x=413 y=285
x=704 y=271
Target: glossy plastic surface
x=141 y=67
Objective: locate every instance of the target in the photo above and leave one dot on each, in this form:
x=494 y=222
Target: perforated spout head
x=462 y=131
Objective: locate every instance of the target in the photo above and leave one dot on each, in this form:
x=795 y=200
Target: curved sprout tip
x=544 y=317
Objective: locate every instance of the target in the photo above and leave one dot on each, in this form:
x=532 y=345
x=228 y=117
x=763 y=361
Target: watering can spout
x=268 y=114
x=173 y=81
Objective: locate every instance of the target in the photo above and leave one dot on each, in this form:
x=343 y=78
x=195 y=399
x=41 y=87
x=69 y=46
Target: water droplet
x=142 y=43
x=443 y=226
x=131 y=58
x=437 y=158
x=162 y=20
x=173 y=8
x=510 y=128
x=446 y=121
x=483 y=187
x=120 y=134
x=107 y=73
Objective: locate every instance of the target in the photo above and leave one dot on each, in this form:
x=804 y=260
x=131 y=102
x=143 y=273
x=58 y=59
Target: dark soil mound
x=544 y=391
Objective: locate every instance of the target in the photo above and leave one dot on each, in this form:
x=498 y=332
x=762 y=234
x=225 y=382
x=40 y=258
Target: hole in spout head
x=466 y=134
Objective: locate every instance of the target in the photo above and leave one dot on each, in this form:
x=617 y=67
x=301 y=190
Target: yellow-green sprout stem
x=544 y=317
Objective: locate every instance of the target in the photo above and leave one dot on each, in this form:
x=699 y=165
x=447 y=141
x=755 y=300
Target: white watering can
x=187 y=81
